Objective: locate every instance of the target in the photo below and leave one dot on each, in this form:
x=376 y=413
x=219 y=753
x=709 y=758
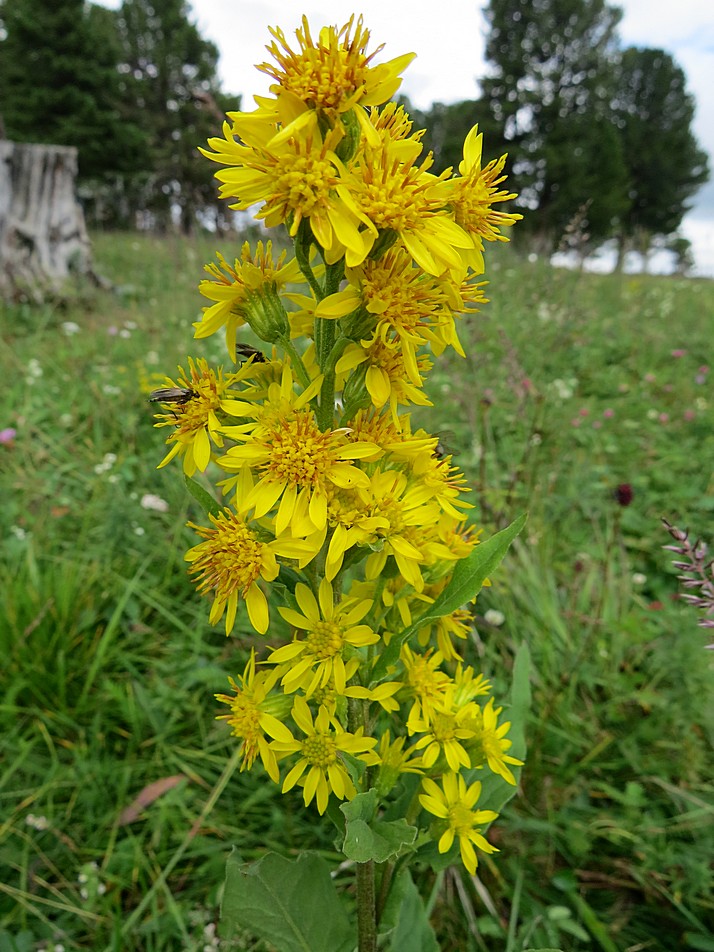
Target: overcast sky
x=448 y=38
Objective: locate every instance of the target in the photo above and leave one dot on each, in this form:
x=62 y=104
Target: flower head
x=253 y=716
x=229 y=563
x=455 y=805
x=331 y=631
x=320 y=755
x=335 y=73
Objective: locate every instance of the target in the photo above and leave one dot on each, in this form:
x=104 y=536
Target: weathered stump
x=43 y=237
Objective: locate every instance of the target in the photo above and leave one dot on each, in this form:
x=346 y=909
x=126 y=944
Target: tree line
x=599 y=137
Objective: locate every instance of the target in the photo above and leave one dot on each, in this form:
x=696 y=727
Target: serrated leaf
x=466 y=582
x=293 y=905
x=202 y=497
x=370 y=839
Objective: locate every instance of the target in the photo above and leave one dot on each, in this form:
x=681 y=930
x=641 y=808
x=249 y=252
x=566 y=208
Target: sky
x=450 y=59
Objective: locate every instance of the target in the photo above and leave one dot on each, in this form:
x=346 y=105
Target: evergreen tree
x=653 y=113
x=169 y=74
x=550 y=88
x=60 y=85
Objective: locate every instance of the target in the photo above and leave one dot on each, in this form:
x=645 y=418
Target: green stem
x=366 y=908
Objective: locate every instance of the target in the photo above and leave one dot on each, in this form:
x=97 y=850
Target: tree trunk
x=43 y=237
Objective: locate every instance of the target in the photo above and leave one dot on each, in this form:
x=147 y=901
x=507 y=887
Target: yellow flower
x=196 y=422
x=473 y=193
x=320 y=755
x=424 y=682
x=334 y=74
x=350 y=517
x=297 y=463
x=253 y=715
x=405 y=198
x=407 y=512
x=395 y=761
x=331 y=631
x=295 y=178
x=455 y=805
x=229 y=564
x=490 y=744
x=442 y=733
x=241 y=289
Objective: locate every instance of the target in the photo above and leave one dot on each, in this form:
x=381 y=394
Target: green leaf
x=293 y=905
x=543 y=950
x=466 y=582
x=405 y=908
x=203 y=498
x=367 y=838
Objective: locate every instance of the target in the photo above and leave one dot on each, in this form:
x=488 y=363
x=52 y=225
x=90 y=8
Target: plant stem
x=366 y=908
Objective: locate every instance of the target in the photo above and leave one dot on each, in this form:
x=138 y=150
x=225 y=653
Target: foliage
x=168 y=75
x=58 y=71
x=594 y=133
x=550 y=83
x=653 y=113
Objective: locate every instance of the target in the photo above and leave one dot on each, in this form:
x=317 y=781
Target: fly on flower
x=179 y=395
x=245 y=352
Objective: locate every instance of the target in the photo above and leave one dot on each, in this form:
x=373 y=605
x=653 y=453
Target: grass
x=574 y=384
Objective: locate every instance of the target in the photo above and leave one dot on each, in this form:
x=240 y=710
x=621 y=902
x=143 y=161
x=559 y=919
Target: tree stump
x=43 y=237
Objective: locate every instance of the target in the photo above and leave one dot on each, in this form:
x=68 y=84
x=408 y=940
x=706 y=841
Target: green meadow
x=118 y=802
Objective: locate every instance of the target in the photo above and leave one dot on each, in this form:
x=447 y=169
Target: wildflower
x=490 y=744
x=296 y=462
x=7 y=435
x=154 y=503
x=473 y=193
x=395 y=761
x=494 y=617
x=196 y=423
x=253 y=716
x=320 y=755
x=229 y=564
x=246 y=293
x=331 y=630
x=455 y=804
x=70 y=328
x=334 y=74
x=623 y=494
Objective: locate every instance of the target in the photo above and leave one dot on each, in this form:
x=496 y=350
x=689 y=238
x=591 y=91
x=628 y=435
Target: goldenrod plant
x=339 y=520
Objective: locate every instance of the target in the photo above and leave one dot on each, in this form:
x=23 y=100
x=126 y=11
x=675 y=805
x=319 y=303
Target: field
x=577 y=392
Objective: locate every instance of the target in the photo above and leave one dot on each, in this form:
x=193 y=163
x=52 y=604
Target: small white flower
x=701 y=403
x=84 y=893
x=652 y=414
x=113 y=478
x=20 y=534
x=536 y=439
x=111 y=390
x=638 y=578
x=82 y=878
x=124 y=333
x=71 y=327
x=153 y=502
x=34 y=367
x=152 y=357
x=132 y=325
x=139 y=530
x=37 y=822
x=101 y=888
x=494 y=617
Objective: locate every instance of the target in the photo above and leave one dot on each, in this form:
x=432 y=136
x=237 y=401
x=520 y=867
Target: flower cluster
x=340 y=521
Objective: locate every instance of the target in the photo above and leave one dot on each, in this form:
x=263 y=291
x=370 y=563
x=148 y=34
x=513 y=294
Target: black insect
x=246 y=352
x=178 y=395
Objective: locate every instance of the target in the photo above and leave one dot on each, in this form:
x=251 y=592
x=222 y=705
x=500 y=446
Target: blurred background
x=585 y=398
